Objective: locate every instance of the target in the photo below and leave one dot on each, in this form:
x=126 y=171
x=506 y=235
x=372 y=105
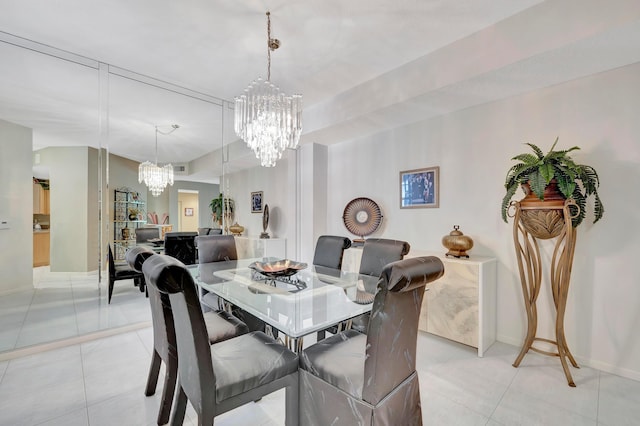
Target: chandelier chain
x=156 y=144
x=269 y=49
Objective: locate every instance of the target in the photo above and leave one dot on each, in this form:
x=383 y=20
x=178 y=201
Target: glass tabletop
x=311 y=300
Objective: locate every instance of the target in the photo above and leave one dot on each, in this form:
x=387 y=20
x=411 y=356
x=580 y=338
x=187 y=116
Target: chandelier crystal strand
x=155 y=177
x=265 y=118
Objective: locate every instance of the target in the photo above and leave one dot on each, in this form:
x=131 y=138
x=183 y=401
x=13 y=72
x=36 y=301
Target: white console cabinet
x=461 y=305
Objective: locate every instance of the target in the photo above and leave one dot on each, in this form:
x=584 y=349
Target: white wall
x=278 y=191
x=16 y=207
x=473 y=148
x=69 y=219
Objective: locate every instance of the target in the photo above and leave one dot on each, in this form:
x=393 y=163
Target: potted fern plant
x=553 y=175
x=217 y=205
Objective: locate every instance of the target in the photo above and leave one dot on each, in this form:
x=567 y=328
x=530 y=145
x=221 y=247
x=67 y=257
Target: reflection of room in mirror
x=69 y=142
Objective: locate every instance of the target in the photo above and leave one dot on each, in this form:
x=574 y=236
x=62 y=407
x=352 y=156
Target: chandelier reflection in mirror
x=266 y=119
x=155 y=177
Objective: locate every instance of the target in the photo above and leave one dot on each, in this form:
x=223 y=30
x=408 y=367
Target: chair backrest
x=330 y=250
x=393 y=325
x=169 y=276
x=378 y=252
x=146 y=234
x=181 y=245
x=136 y=256
x=216 y=248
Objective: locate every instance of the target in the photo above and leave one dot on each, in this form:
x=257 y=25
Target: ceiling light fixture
x=155 y=177
x=266 y=119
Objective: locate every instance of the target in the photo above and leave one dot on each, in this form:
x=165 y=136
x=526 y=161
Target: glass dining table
x=312 y=300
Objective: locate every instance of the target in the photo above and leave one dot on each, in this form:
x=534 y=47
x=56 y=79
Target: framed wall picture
x=256 y=202
x=188 y=211
x=419 y=188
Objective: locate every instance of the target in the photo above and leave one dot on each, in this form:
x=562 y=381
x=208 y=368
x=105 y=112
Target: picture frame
x=420 y=188
x=188 y=211
x=256 y=202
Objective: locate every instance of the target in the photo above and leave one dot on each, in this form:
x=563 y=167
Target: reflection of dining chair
x=209 y=231
x=216 y=248
x=181 y=245
x=220 y=326
x=228 y=374
x=329 y=253
x=352 y=378
x=376 y=254
x=122 y=271
x=221 y=248
x=330 y=250
x=145 y=234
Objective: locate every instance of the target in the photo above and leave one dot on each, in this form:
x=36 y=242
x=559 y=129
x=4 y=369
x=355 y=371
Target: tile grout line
x=502 y=396
x=24 y=319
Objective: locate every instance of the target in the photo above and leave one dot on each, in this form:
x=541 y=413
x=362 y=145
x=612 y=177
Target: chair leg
x=291 y=409
x=179 y=406
x=154 y=371
x=111 y=283
x=170 y=378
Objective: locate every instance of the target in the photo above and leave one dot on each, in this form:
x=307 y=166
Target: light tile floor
x=101 y=382
x=63 y=305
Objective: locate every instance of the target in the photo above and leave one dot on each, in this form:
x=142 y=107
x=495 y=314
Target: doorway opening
x=188 y=210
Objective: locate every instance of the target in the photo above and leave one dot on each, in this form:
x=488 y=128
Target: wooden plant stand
x=532 y=224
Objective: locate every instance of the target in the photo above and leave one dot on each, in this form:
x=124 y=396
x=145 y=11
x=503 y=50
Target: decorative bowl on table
x=279 y=268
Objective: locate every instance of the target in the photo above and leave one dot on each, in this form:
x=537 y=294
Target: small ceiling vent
x=181 y=169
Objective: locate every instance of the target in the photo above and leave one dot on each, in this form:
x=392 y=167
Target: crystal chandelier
x=266 y=119
x=155 y=177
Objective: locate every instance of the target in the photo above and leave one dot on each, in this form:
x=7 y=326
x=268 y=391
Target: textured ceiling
x=362 y=65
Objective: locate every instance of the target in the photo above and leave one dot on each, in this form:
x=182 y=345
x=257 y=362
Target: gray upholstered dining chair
x=216 y=248
x=221 y=248
x=181 y=245
x=209 y=231
x=329 y=253
x=219 y=325
x=376 y=254
x=145 y=234
x=370 y=379
x=330 y=250
x=121 y=271
x=220 y=377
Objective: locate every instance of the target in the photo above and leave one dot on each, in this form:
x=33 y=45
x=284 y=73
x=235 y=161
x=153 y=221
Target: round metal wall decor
x=362 y=216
